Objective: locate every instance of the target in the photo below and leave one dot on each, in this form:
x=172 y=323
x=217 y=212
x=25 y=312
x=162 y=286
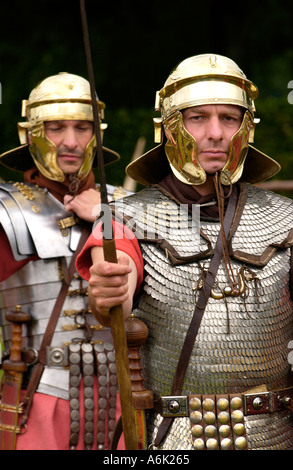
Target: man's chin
x=212 y=172
x=69 y=169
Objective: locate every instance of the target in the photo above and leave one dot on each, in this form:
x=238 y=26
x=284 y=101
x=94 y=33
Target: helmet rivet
x=213 y=61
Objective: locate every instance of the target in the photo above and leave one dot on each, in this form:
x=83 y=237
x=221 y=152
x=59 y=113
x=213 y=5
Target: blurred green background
x=135 y=45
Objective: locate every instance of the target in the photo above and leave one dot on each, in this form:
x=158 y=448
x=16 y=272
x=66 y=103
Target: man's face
x=212 y=126
x=71 y=139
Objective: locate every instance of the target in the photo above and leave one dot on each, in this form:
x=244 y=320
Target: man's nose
x=69 y=139
x=214 y=129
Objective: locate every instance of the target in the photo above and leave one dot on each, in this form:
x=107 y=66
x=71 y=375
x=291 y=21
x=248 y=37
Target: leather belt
x=253 y=403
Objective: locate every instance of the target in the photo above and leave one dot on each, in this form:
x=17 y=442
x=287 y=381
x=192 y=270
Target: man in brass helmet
x=214 y=291
x=43 y=220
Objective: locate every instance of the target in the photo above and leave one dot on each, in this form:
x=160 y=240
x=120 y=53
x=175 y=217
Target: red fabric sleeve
x=125 y=241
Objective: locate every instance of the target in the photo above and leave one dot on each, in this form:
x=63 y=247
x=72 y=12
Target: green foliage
x=274 y=133
x=126 y=126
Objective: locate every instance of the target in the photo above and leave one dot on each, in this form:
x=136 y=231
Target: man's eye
x=231 y=118
x=53 y=128
x=84 y=128
x=196 y=117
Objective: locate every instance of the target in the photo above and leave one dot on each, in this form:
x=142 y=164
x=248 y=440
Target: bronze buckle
x=174 y=406
x=258 y=403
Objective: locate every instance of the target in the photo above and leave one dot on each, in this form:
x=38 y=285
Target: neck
x=58 y=190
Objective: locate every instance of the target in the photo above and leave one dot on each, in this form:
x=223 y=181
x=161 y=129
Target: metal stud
x=173 y=406
x=74 y=358
x=208 y=404
x=194 y=403
x=224 y=430
x=226 y=444
x=223 y=417
x=197 y=430
x=195 y=417
x=210 y=431
x=241 y=443
x=74 y=381
x=199 y=444
x=209 y=417
x=74 y=404
x=88 y=369
x=239 y=429
x=222 y=404
x=236 y=403
x=257 y=403
x=74 y=392
x=237 y=416
x=212 y=444
x=74 y=415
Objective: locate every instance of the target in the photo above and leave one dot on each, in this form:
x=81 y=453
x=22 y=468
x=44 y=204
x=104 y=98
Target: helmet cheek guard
x=233 y=169
x=181 y=151
x=44 y=153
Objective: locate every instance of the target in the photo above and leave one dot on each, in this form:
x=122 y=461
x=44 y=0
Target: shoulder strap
x=198 y=314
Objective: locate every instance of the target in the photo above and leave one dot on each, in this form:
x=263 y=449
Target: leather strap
x=39 y=367
x=198 y=314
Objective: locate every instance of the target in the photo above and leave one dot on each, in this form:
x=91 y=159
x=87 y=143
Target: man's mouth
x=214 y=152
x=69 y=157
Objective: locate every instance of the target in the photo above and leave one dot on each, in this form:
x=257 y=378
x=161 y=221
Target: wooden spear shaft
x=116 y=313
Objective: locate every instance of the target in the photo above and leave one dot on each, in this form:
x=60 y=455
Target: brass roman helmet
x=201 y=80
x=63 y=96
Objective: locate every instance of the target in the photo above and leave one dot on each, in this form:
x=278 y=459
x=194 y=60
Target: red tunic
x=48 y=426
